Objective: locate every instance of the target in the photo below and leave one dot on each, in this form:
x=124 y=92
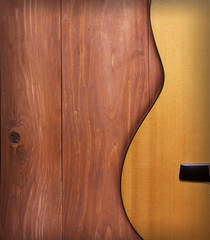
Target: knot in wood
x=14 y=137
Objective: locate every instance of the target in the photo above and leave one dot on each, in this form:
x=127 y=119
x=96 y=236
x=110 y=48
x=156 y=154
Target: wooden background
x=31 y=187
x=177 y=130
x=77 y=78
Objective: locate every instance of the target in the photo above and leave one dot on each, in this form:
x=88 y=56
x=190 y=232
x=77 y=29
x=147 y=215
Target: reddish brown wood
x=109 y=64
x=31 y=108
x=111 y=76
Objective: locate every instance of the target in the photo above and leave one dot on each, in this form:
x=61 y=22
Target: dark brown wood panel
x=111 y=77
x=106 y=94
x=30 y=119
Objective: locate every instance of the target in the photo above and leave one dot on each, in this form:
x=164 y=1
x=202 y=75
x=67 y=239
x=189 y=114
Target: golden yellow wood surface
x=177 y=130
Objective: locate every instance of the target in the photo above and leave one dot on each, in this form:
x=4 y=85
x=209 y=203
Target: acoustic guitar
x=165 y=181
x=77 y=79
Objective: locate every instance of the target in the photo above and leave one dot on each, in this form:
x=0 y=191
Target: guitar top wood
x=177 y=130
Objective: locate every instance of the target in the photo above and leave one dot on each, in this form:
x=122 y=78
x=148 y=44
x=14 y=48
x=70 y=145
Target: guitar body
x=176 y=131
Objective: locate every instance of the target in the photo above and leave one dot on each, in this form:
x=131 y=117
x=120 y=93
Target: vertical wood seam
x=61 y=56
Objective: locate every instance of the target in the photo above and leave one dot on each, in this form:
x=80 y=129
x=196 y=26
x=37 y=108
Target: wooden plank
x=105 y=97
x=30 y=119
x=176 y=131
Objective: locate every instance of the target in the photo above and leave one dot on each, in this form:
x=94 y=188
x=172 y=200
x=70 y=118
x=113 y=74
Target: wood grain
x=106 y=94
x=62 y=148
x=175 y=131
x=30 y=119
